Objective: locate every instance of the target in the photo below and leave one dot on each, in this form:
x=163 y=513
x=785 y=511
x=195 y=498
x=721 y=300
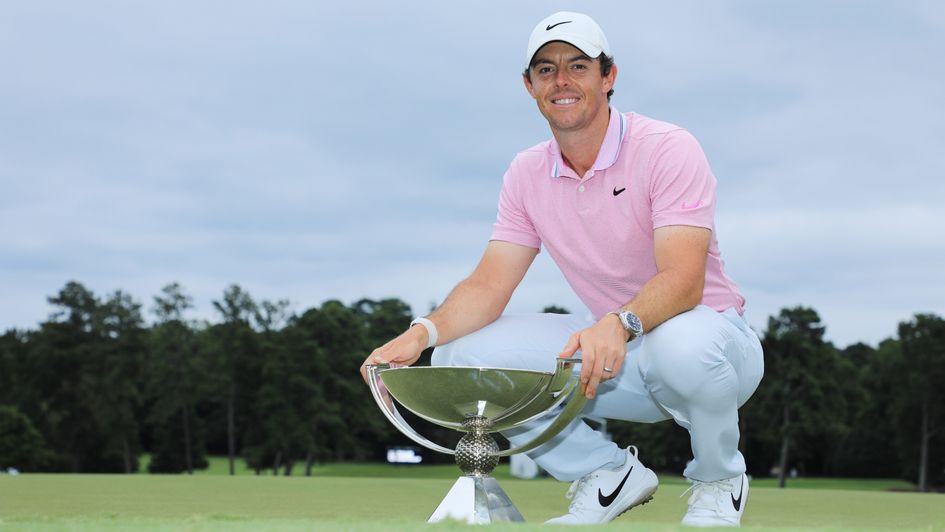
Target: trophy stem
x=476 y=497
x=477 y=500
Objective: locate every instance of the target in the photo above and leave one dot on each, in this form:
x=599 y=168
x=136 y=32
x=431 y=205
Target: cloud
x=320 y=150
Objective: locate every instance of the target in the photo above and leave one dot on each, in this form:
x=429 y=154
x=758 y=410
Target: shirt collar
x=609 y=149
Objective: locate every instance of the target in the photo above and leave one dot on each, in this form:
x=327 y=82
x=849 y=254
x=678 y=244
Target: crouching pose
x=625 y=206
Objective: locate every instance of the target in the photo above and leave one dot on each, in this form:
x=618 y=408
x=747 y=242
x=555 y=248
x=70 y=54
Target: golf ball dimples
x=476 y=453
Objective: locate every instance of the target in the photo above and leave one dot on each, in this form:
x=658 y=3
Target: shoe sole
x=644 y=497
x=648 y=498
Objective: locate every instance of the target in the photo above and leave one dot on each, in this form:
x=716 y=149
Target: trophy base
x=477 y=500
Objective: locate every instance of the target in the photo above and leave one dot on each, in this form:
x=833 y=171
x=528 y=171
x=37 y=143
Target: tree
x=865 y=450
x=278 y=417
x=115 y=379
x=77 y=380
x=175 y=374
x=58 y=366
x=554 y=309
x=331 y=338
x=921 y=400
x=234 y=351
x=383 y=320
x=288 y=403
x=803 y=374
x=13 y=352
x=21 y=445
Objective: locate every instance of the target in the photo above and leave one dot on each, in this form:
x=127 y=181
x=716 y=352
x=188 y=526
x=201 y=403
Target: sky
x=343 y=150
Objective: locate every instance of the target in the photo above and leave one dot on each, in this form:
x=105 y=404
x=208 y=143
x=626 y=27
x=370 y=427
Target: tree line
x=96 y=386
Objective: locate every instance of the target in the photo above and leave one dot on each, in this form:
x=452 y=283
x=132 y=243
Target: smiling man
x=625 y=206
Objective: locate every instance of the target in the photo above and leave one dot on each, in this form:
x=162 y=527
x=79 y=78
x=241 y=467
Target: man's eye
x=544 y=70
x=579 y=66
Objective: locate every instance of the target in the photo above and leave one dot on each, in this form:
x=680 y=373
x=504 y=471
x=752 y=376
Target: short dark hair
x=606 y=64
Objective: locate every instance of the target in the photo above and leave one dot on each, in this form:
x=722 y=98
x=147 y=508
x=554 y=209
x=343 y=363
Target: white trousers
x=696 y=368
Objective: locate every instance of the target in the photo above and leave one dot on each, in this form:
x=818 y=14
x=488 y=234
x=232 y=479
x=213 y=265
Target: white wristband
x=431 y=330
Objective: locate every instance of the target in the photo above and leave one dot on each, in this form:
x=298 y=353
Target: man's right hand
x=404 y=350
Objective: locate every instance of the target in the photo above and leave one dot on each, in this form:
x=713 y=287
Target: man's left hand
x=603 y=347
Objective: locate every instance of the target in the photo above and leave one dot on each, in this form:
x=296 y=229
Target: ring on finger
x=609 y=370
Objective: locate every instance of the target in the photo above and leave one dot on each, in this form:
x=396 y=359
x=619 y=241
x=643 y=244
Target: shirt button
x=581 y=188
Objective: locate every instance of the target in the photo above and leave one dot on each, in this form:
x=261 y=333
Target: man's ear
x=528 y=86
x=610 y=79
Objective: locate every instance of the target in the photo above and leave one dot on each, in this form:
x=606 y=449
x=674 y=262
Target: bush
x=21 y=445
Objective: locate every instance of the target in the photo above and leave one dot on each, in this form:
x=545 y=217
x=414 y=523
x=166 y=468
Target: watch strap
x=622 y=324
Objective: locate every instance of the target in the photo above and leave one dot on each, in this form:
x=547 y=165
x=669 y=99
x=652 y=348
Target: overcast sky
x=339 y=150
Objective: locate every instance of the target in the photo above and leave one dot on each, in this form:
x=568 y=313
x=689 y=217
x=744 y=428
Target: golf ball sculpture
x=476 y=452
x=478 y=401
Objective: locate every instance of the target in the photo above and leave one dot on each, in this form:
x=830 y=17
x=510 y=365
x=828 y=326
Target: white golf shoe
x=600 y=496
x=719 y=503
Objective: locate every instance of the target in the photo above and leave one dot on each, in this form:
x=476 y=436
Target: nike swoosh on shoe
x=607 y=500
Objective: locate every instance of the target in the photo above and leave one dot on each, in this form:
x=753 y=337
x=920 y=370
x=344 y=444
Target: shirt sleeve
x=512 y=221
x=682 y=187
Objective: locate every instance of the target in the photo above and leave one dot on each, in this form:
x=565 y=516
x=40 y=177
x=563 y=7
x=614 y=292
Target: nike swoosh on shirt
x=617 y=192
x=558 y=24
x=606 y=501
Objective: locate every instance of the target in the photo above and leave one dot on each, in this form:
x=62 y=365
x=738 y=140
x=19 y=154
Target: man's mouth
x=564 y=101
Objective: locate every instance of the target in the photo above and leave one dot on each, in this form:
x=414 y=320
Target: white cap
x=576 y=29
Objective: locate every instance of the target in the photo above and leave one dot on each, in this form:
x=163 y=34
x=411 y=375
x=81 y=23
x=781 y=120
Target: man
x=625 y=206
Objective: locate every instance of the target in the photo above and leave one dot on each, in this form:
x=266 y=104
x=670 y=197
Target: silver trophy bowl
x=477 y=401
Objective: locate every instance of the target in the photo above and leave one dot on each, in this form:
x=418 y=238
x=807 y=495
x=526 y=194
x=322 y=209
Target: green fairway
x=248 y=502
x=219 y=465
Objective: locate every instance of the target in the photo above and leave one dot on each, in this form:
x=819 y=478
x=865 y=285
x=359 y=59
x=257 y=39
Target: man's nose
x=562 y=77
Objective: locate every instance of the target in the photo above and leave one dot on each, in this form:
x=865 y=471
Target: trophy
x=477 y=401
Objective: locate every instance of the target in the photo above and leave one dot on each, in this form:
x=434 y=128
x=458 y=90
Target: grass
x=380 y=497
x=219 y=465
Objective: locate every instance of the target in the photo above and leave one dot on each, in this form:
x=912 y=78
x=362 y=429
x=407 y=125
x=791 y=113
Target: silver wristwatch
x=631 y=323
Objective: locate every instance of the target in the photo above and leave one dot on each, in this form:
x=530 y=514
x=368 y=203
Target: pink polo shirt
x=599 y=229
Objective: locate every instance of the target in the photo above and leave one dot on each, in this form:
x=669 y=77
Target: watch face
x=631 y=322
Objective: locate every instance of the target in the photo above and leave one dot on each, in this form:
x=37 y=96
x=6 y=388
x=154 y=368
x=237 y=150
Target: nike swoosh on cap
x=606 y=501
x=557 y=24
